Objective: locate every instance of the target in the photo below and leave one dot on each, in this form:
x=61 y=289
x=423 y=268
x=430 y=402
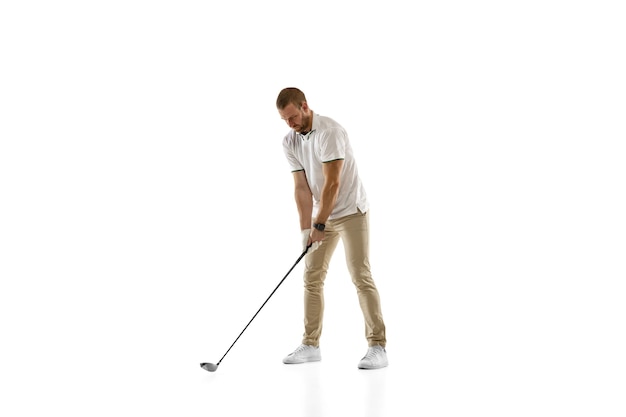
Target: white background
x=146 y=207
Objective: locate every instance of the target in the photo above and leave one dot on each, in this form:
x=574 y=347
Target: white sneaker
x=375 y=358
x=304 y=353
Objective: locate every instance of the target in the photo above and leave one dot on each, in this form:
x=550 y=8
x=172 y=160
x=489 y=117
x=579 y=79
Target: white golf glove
x=306 y=234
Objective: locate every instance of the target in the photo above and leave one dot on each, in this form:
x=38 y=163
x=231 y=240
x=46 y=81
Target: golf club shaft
x=265 y=302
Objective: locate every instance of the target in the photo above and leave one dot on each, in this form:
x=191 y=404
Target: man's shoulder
x=327 y=123
x=289 y=136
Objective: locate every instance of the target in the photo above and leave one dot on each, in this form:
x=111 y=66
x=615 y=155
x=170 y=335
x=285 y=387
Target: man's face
x=297 y=118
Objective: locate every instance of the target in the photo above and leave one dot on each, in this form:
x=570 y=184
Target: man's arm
x=330 y=190
x=304 y=199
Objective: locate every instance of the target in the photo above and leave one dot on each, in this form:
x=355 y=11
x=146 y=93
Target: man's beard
x=305 y=123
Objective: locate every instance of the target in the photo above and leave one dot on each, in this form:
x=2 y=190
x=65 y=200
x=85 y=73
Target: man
x=332 y=205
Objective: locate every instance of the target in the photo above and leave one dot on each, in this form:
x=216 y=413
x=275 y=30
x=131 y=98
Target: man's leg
x=354 y=231
x=316 y=267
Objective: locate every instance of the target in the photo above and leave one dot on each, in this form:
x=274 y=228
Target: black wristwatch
x=319 y=226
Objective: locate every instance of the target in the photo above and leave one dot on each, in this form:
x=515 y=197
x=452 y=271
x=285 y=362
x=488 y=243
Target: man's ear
x=304 y=107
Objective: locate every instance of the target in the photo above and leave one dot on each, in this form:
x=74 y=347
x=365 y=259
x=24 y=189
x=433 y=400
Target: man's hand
x=306 y=240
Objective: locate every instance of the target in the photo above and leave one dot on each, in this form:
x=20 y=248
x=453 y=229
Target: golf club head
x=208 y=367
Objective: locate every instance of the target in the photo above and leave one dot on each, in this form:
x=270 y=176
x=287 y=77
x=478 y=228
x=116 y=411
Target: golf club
x=212 y=367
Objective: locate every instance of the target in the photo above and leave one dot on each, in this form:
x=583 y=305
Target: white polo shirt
x=327 y=141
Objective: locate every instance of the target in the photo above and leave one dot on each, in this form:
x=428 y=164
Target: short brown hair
x=290 y=95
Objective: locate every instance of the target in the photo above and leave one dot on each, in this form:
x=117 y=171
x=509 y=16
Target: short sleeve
x=292 y=161
x=333 y=145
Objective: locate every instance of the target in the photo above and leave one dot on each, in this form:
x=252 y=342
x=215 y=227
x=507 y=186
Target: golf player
x=332 y=205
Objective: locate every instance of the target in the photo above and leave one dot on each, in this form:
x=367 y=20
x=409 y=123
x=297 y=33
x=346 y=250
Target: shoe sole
x=303 y=361
x=373 y=367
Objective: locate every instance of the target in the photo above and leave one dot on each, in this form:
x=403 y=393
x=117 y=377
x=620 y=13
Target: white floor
x=135 y=351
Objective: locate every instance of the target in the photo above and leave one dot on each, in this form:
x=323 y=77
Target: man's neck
x=310 y=125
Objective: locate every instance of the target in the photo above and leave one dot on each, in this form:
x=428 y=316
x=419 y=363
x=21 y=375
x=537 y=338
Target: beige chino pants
x=353 y=230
